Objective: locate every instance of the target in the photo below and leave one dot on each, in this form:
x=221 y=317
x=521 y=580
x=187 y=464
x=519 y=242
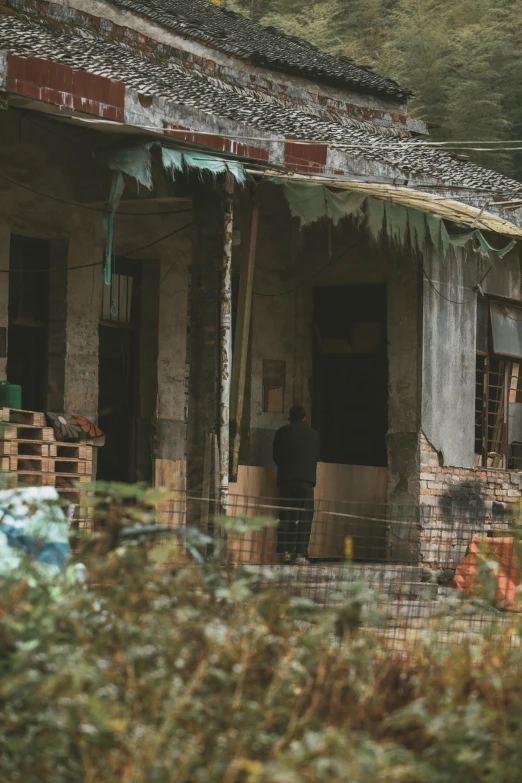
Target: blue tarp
x=33 y=526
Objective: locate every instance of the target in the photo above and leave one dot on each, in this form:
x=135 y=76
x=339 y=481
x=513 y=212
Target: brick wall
x=458 y=503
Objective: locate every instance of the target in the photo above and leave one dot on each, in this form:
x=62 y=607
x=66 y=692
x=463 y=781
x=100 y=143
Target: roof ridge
x=266 y=46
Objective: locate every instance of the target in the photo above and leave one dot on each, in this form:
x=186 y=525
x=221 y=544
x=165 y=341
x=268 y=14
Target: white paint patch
x=3 y=69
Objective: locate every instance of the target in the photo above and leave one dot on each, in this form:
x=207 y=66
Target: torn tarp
x=136 y=161
x=310 y=202
x=174 y=161
x=109 y=224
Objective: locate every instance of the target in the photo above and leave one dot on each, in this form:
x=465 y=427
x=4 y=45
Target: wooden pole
x=226 y=343
x=239 y=365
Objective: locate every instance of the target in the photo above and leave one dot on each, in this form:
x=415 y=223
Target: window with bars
x=498 y=390
x=119 y=300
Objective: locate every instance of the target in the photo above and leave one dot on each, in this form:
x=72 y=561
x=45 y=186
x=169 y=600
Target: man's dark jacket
x=296 y=451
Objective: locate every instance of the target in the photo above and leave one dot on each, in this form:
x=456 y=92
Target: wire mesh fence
x=438 y=573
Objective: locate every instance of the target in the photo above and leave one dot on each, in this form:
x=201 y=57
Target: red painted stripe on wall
x=306 y=157
x=62 y=85
x=216 y=142
x=249 y=151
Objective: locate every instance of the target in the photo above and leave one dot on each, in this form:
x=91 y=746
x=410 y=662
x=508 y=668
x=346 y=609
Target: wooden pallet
x=72 y=450
x=35 y=463
x=31 y=478
x=26 y=432
x=79 y=498
x=30 y=418
x=37 y=448
x=85 y=525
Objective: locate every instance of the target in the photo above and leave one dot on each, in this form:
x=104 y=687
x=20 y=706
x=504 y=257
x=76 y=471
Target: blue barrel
x=10 y=395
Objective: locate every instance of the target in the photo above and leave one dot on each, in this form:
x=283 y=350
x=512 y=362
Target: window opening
x=498 y=388
x=119 y=299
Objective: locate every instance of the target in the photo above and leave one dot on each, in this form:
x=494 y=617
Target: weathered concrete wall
x=449 y=347
x=448 y=377
x=56 y=340
x=172 y=352
x=84 y=298
x=322 y=255
x=147 y=368
x=58 y=161
x=203 y=348
x=41 y=160
x=272 y=318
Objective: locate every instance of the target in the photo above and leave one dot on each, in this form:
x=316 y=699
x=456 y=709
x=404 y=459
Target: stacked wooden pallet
x=31 y=456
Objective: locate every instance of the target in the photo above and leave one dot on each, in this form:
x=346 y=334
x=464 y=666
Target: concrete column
x=404 y=393
x=84 y=297
x=404 y=336
x=172 y=356
x=5 y=240
x=56 y=340
x=147 y=368
x=204 y=330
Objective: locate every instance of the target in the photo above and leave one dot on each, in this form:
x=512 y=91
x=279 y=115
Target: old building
x=145 y=145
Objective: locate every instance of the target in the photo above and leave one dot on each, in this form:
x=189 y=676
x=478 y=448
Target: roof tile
x=271 y=47
x=256 y=111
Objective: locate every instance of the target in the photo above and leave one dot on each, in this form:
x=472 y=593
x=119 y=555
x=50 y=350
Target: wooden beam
x=240 y=354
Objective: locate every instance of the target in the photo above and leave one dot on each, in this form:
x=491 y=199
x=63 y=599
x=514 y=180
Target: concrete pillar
x=172 y=356
x=204 y=330
x=5 y=240
x=404 y=393
x=148 y=368
x=56 y=340
x=84 y=298
x=404 y=336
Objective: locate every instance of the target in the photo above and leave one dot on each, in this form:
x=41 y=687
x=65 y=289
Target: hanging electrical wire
x=315 y=274
x=89 y=206
x=97 y=263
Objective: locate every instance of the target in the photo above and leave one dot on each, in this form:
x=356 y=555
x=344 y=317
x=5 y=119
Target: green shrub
x=149 y=674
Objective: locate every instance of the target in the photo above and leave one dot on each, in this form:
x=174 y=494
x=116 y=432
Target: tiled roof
x=181 y=87
x=238 y=36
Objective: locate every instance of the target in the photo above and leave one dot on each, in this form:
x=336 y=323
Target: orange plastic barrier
x=509 y=575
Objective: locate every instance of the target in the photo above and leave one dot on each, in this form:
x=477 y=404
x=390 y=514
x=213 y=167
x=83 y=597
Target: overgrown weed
x=188 y=673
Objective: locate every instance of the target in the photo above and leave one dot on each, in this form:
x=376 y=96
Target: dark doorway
x=28 y=319
x=350 y=407
x=119 y=373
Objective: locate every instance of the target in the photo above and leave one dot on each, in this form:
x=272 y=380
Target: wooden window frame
x=510 y=370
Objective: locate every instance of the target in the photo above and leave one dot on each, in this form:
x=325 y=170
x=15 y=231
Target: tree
x=462 y=59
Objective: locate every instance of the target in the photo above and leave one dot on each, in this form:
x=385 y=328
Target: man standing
x=296 y=451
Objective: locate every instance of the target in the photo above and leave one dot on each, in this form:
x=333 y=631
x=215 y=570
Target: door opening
x=28 y=319
x=119 y=373
x=350 y=407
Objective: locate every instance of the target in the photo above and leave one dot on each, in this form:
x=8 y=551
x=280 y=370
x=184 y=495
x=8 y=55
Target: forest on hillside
x=461 y=58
